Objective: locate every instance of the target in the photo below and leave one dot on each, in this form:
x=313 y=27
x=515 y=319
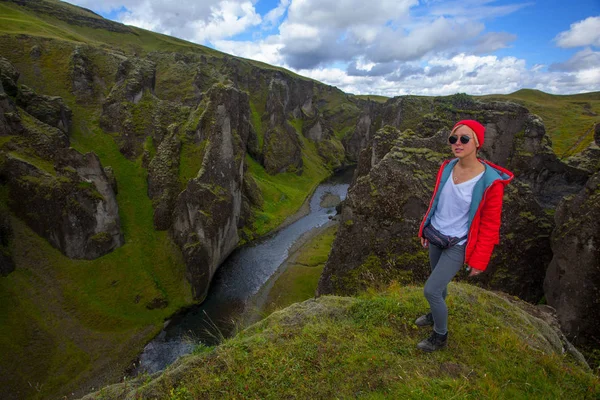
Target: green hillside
x=364 y=347
x=569 y=119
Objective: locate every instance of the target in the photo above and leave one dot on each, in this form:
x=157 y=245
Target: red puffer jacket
x=484 y=212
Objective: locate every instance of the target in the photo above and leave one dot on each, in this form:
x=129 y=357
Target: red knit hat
x=475 y=126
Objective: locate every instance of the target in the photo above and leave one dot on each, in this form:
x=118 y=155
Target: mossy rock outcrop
x=207 y=213
x=8 y=77
x=572 y=283
x=75 y=210
x=339 y=347
x=282 y=149
x=163 y=178
x=48 y=109
x=64 y=196
x=377 y=241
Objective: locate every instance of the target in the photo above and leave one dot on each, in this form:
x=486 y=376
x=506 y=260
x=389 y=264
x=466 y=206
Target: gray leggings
x=444 y=265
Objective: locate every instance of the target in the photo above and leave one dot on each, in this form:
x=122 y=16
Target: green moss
x=101 y=237
x=528 y=216
x=256 y=119
x=190 y=162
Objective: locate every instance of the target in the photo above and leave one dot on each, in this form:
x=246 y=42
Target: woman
x=465 y=212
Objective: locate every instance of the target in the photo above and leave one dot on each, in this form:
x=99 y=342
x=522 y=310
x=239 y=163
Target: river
x=237 y=280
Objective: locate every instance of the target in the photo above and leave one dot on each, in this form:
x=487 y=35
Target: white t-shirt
x=451 y=216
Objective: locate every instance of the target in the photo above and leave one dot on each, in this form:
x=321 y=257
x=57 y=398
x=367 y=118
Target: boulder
x=572 y=283
x=207 y=212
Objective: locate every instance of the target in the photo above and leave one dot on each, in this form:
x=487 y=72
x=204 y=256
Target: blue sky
x=393 y=47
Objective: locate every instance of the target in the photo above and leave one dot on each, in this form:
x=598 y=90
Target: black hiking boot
x=425 y=320
x=434 y=342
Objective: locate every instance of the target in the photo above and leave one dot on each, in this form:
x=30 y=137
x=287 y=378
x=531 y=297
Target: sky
x=393 y=47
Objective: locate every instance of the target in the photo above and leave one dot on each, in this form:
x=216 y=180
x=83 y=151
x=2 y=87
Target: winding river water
x=239 y=278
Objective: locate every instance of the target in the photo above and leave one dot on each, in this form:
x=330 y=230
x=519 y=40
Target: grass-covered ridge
x=569 y=119
x=336 y=347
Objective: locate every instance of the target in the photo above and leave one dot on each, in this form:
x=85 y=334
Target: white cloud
x=475 y=75
x=582 y=60
x=493 y=41
x=582 y=33
x=227 y=19
x=267 y=51
x=441 y=34
x=343 y=14
x=272 y=17
x=199 y=21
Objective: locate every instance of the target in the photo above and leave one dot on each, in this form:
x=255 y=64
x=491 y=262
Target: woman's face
x=460 y=149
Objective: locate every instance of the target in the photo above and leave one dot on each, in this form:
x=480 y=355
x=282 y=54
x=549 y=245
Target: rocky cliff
x=63 y=195
x=207 y=213
x=572 y=283
x=377 y=239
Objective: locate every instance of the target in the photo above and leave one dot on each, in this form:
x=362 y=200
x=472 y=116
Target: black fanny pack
x=437 y=238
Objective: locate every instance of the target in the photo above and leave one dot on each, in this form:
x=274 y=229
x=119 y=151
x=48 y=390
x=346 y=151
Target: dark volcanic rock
x=10 y=120
x=134 y=112
x=377 y=240
x=572 y=283
x=282 y=148
x=8 y=77
x=76 y=210
x=207 y=212
x=48 y=109
x=518 y=265
x=362 y=133
x=163 y=179
x=7 y=265
x=82 y=74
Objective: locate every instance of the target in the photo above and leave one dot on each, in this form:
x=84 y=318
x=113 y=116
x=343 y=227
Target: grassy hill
x=338 y=347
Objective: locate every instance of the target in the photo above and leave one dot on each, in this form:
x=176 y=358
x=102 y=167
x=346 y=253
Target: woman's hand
x=424 y=242
x=474 y=272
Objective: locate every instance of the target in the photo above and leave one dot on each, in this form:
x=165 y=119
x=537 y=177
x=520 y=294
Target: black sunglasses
x=463 y=139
